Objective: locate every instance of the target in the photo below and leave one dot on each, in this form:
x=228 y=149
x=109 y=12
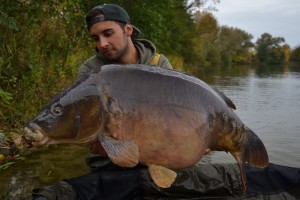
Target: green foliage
x=272 y=50
x=235 y=45
x=295 y=54
x=206 y=25
x=160 y=26
x=5 y=96
x=39 y=41
x=213 y=45
x=204 y=51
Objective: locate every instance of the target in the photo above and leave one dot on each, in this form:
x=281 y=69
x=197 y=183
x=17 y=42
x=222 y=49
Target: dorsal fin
x=224 y=97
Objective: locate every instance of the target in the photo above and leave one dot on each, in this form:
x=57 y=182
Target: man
x=116 y=42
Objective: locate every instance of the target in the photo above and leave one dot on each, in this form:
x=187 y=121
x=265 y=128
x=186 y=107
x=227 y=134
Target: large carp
x=162 y=118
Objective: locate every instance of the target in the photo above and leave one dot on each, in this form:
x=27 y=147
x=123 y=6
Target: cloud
x=276 y=17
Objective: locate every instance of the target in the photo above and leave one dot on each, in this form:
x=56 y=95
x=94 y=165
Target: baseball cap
x=111 y=12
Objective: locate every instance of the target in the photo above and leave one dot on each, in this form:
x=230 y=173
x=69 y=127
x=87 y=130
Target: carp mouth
x=33 y=136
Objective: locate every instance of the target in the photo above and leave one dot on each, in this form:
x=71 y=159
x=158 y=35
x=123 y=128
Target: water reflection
x=42 y=168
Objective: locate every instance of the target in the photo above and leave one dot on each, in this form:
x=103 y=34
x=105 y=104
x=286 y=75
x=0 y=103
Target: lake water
x=267 y=100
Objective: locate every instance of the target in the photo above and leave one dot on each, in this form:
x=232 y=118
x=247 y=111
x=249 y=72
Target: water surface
x=41 y=168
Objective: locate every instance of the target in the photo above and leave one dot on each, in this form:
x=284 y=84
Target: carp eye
x=56 y=109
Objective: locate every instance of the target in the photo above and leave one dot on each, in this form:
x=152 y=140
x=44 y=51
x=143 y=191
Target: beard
x=120 y=52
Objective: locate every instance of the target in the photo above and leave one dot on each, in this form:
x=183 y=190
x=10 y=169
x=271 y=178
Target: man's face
x=111 y=39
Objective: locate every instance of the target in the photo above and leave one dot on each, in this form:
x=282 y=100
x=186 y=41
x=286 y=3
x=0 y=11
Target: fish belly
x=166 y=135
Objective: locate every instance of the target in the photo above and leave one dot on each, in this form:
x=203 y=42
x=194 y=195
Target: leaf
x=5 y=96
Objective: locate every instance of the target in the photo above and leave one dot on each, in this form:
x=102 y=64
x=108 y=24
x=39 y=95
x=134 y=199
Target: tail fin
x=252 y=151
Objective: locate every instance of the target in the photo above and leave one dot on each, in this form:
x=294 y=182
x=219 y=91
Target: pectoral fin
x=162 y=176
x=124 y=153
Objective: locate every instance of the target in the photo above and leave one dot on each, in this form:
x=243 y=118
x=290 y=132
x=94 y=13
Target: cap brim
x=136 y=32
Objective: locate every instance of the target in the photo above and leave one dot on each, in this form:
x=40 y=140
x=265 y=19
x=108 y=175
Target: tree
x=206 y=25
x=235 y=45
x=202 y=5
x=295 y=55
x=272 y=49
x=205 y=50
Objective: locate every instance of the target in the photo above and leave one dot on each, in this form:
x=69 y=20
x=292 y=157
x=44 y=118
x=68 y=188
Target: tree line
x=42 y=44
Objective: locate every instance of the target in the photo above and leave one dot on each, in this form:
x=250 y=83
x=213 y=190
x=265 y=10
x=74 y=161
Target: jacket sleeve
x=93 y=63
x=164 y=62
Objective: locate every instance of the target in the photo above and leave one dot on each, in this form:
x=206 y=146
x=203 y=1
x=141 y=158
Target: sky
x=280 y=18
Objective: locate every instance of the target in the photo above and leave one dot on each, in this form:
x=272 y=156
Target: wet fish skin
x=158 y=117
x=62 y=120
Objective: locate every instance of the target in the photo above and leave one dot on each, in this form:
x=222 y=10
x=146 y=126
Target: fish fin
x=124 y=153
x=162 y=176
x=224 y=97
x=242 y=170
x=253 y=152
